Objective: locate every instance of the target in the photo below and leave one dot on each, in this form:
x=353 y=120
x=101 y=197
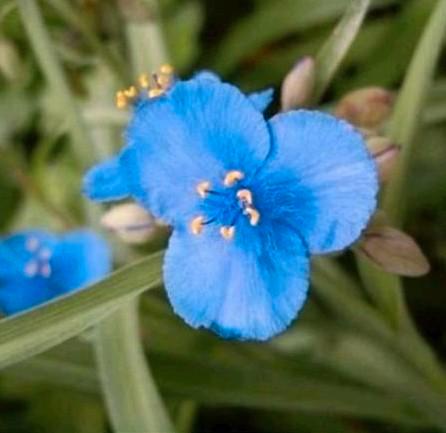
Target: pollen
x=196 y=225
x=45 y=270
x=253 y=215
x=144 y=81
x=227 y=232
x=245 y=196
x=166 y=69
x=203 y=188
x=232 y=177
x=32 y=244
x=131 y=92
x=121 y=99
x=153 y=93
x=31 y=269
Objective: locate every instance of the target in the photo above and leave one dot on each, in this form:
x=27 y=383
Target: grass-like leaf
x=39 y=329
x=334 y=50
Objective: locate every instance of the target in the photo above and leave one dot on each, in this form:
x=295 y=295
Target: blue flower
x=249 y=200
x=36 y=266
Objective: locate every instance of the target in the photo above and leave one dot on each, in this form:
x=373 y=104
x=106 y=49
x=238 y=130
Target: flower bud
x=393 y=251
x=298 y=85
x=130 y=222
x=368 y=108
x=386 y=153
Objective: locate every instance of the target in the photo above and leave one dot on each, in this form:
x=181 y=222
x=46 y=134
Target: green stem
x=132 y=399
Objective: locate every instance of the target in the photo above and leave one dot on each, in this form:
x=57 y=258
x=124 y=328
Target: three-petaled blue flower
x=36 y=266
x=249 y=200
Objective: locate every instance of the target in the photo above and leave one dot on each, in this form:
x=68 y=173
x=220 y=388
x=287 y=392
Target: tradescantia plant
x=225 y=206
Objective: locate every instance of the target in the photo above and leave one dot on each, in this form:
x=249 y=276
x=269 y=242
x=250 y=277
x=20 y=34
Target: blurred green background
x=331 y=372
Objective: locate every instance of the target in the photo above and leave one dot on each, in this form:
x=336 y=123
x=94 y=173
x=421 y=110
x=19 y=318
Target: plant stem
x=132 y=399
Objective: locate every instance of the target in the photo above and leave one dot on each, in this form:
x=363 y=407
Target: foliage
x=362 y=358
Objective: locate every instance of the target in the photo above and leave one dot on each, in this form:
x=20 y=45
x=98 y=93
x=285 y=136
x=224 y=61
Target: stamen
x=245 y=196
x=144 y=81
x=196 y=225
x=121 y=99
x=153 y=93
x=164 y=80
x=130 y=92
x=32 y=244
x=31 y=269
x=232 y=177
x=166 y=69
x=253 y=215
x=45 y=253
x=203 y=188
x=45 y=270
x=227 y=232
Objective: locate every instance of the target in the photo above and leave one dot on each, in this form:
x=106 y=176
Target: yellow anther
x=203 y=188
x=130 y=92
x=164 y=80
x=232 y=177
x=121 y=99
x=153 y=93
x=227 y=232
x=196 y=225
x=253 y=215
x=144 y=81
x=245 y=196
x=166 y=69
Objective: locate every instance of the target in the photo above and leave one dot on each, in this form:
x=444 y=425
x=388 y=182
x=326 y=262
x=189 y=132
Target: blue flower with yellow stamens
x=36 y=266
x=248 y=199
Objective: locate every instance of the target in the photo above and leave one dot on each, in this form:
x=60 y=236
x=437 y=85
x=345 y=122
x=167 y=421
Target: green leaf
x=230 y=382
x=33 y=332
x=273 y=21
x=409 y=107
x=334 y=50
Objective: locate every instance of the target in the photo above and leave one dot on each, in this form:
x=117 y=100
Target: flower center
x=226 y=205
x=39 y=264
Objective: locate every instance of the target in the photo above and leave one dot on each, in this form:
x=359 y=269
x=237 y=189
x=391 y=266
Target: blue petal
x=23 y=293
x=207 y=75
x=197 y=132
x=246 y=288
x=262 y=99
x=81 y=258
x=332 y=178
x=105 y=182
x=19 y=291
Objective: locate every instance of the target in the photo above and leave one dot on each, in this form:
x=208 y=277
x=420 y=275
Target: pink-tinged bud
x=386 y=153
x=393 y=251
x=130 y=222
x=298 y=85
x=366 y=108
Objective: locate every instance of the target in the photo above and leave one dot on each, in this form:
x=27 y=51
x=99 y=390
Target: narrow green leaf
x=133 y=402
x=40 y=41
x=334 y=50
x=409 y=106
x=274 y=21
x=72 y=17
x=33 y=332
x=230 y=383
